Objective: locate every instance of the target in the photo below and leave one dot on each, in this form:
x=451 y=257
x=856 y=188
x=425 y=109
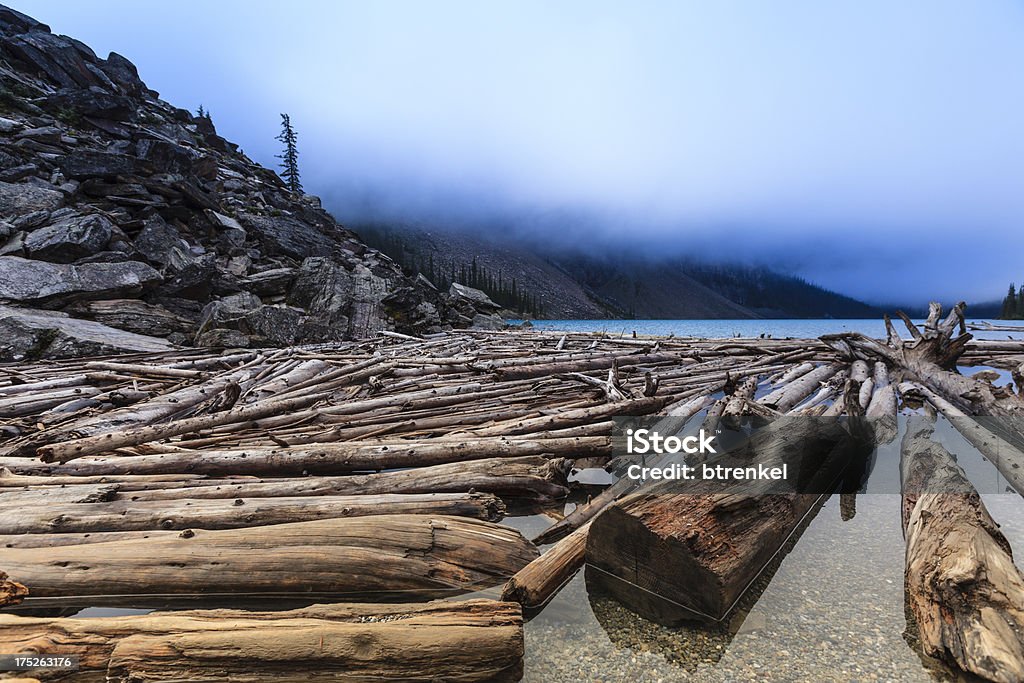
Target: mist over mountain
x=862 y=146
x=575 y=281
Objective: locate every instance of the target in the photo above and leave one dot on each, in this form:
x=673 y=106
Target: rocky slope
x=129 y=224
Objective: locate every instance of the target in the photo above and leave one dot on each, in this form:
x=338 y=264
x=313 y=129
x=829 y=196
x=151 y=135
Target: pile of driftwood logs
x=364 y=482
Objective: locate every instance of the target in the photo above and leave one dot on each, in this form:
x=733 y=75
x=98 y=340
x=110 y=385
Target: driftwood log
x=325 y=459
x=536 y=583
x=931 y=358
x=965 y=592
x=133 y=515
x=475 y=640
x=415 y=556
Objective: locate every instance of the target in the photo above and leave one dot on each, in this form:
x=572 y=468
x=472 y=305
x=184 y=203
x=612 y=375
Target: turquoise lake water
x=803 y=329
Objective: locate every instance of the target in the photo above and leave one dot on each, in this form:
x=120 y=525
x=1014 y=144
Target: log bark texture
x=474 y=640
x=415 y=556
x=133 y=515
x=965 y=592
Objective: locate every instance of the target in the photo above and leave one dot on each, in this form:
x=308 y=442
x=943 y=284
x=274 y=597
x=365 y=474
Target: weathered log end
x=678 y=558
x=11 y=592
x=535 y=584
x=643 y=562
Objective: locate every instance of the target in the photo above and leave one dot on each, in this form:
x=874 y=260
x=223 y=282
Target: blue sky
x=873 y=147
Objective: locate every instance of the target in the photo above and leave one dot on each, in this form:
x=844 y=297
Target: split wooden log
x=573 y=417
x=54 y=540
x=473 y=640
x=965 y=592
x=323 y=459
x=536 y=583
x=147 y=413
x=689 y=550
x=415 y=556
x=176 y=514
x=132 y=436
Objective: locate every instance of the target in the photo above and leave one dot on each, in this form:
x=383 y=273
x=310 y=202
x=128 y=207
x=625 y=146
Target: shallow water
x=833 y=611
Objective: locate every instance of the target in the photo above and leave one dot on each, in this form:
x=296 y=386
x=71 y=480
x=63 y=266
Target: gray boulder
x=287 y=236
x=230 y=311
x=232 y=339
x=69 y=239
x=270 y=282
x=164 y=156
x=91 y=102
x=488 y=322
x=26 y=281
x=157 y=241
x=348 y=303
x=122 y=72
x=27 y=334
x=264 y=325
x=133 y=315
x=19 y=199
x=276 y=325
x=82 y=164
x=473 y=298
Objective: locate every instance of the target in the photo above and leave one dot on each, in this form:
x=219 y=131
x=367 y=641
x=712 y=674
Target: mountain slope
x=562 y=296
x=120 y=208
x=578 y=286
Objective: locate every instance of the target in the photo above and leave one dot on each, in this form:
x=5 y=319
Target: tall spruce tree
x=1010 y=303
x=290 y=157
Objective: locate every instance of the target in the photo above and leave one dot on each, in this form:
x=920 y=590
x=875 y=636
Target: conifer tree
x=290 y=157
x=1010 y=308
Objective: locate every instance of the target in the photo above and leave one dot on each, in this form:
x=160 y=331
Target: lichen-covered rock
x=27 y=281
x=27 y=334
x=69 y=239
x=471 y=297
x=488 y=322
x=19 y=199
x=475 y=308
x=229 y=312
x=157 y=241
x=287 y=236
x=133 y=315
